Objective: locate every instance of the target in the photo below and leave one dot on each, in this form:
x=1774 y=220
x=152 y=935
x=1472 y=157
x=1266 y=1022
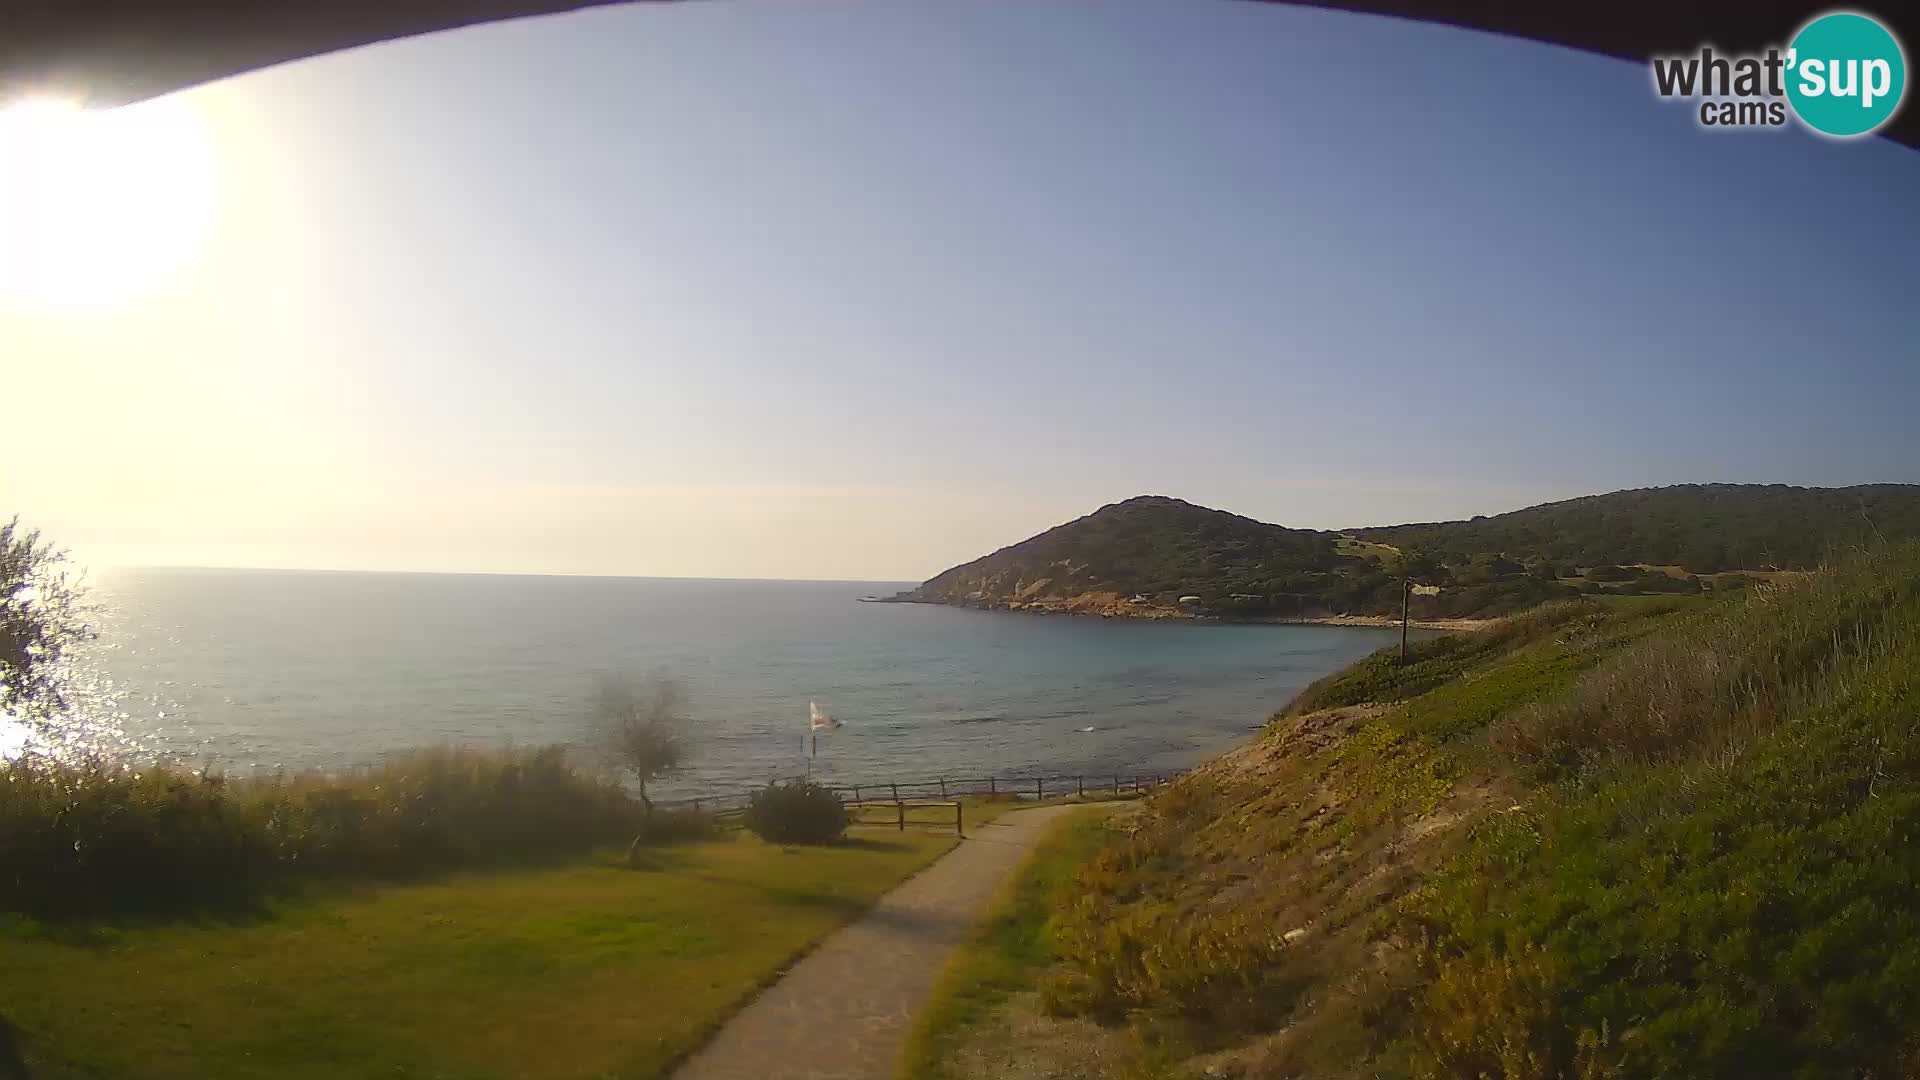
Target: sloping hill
x=1705 y=528
x=1155 y=556
x=1660 y=837
x=1152 y=547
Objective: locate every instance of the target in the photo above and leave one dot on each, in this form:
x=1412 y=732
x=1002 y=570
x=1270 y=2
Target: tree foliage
x=641 y=719
x=40 y=621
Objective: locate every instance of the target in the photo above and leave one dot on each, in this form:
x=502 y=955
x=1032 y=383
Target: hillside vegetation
x=1639 y=837
x=1155 y=556
x=1152 y=547
x=1705 y=528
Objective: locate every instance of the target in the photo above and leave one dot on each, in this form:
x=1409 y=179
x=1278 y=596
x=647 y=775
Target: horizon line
x=495 y=573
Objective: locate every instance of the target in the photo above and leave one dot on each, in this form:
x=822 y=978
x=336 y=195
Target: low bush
x=89 y=838
x=679 y=825
x=1487 y=1015
x=796 y=813
x=1216 y=970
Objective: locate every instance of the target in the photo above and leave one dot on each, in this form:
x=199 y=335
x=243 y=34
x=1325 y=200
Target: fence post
x=696 y=804
x=943 y=788
x=993 y=786
x=856 y=793
x=896 y=792
x=958 y=829
x=1037 y=789
x=902 y=809
x=1116 y=783
x=1080 y=786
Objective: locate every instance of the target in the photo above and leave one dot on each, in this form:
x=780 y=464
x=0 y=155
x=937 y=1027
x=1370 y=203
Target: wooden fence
x=900 y=815
x=895 y=799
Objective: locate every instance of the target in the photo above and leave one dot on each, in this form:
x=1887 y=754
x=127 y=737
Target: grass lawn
x=1010 y=948
x=587 y=969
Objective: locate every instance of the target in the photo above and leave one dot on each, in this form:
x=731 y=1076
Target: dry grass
x=1725 y=677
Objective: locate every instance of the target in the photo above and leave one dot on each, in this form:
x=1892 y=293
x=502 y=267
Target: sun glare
x=97 y=206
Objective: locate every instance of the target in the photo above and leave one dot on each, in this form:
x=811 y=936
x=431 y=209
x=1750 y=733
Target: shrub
x=91 y=838
x=88 y=838
x=1219 y=969
x=678 y=825
x=1486 y=1016
x=796 y=813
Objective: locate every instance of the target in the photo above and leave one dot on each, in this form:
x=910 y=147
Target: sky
x=862 y=290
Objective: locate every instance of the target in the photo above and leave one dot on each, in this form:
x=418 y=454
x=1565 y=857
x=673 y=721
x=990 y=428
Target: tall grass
x=91 y=838
x=1711 y=686
x=1383 y=677
x=1721 y=881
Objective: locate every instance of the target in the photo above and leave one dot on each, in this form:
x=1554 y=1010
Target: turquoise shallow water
x=263 y=669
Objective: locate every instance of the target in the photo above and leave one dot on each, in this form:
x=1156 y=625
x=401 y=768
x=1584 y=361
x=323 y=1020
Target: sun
x=98 y=206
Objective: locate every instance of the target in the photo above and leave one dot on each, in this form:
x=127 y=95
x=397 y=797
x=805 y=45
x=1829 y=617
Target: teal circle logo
x=1845 y=74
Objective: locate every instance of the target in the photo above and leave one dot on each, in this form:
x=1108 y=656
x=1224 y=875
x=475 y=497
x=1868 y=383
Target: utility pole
x=1406 y=594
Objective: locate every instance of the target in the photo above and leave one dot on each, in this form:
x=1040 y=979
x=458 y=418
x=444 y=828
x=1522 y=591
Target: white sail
x=819 y=719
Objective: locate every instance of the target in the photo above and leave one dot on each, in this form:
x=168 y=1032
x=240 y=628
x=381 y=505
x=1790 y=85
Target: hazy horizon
x=192 y=568
x=848 y=292
x=818 y=580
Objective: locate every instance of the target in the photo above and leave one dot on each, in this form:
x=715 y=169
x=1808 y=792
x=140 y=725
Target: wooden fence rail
x=944 y=791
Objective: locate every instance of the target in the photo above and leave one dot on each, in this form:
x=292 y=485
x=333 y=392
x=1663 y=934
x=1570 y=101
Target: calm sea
x=264 y=669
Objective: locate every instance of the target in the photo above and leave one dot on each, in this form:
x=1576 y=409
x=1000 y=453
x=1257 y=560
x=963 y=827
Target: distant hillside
x=1705 y=528
x=1155 y=556
x=1152 y=548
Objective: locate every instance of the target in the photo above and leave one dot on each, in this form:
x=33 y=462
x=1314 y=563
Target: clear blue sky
x=862 y=290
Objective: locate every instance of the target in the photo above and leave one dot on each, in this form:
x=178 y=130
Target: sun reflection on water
x=95 y=723
x=13 y=737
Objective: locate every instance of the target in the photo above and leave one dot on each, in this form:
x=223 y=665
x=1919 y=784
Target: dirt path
x=842 y=1012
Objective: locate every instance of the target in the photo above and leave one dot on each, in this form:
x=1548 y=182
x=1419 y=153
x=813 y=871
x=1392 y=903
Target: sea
x=259 y=670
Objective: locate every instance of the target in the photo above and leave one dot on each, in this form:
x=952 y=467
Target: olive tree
x=641 y=720
x=40 y=620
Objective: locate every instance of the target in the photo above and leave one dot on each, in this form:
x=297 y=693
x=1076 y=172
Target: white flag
x=818 y=719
